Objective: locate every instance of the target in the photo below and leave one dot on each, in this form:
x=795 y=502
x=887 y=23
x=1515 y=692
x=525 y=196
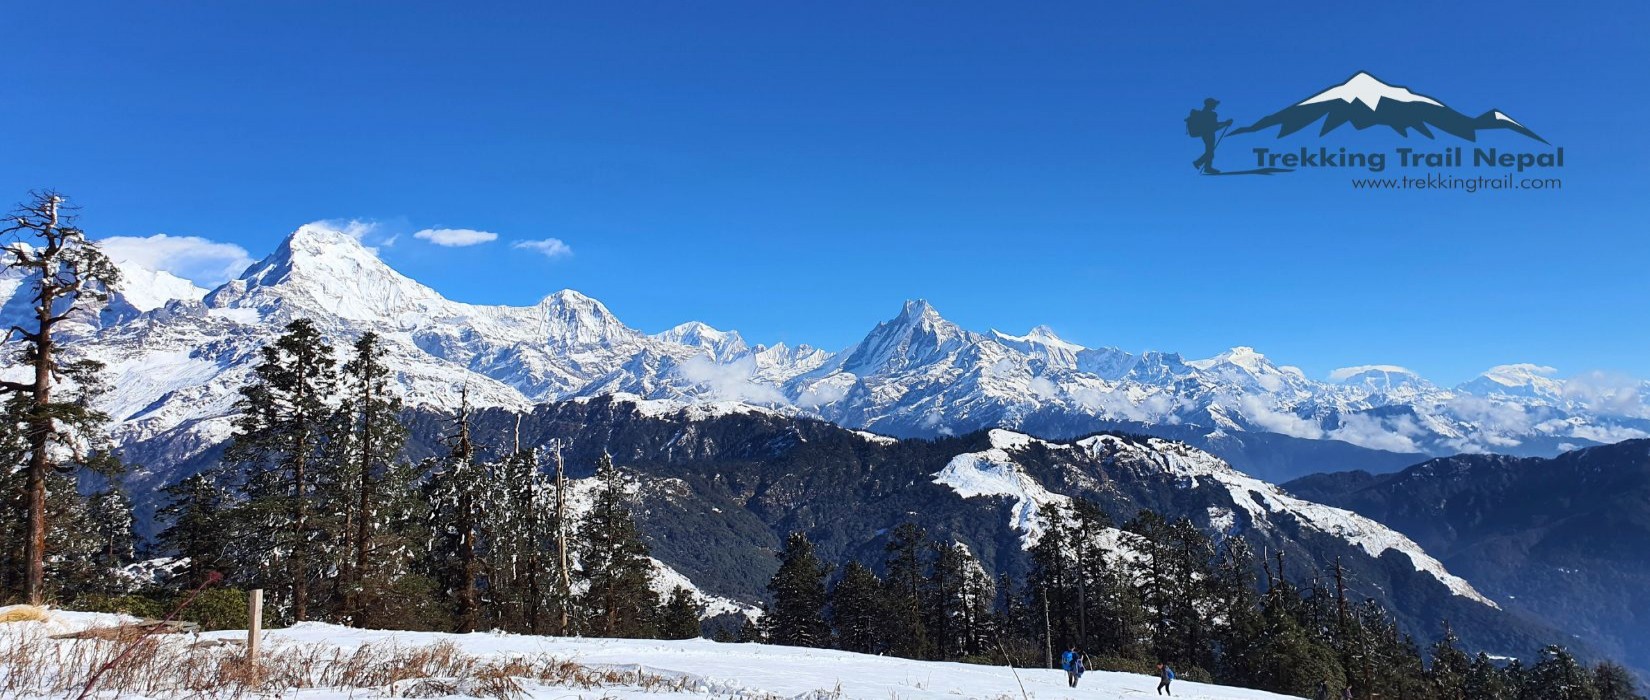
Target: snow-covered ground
x=700 y=668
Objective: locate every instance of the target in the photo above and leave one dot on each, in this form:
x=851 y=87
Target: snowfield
x=694 y=668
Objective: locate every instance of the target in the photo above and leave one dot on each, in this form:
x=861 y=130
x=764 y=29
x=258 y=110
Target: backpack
x=1171 y=672
x=1199 y=122
x=1065 y=660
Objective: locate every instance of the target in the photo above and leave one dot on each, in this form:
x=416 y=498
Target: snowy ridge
x=994 y=472
x=1264 y=501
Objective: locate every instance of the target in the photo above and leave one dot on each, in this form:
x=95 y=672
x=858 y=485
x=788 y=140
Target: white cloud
x=550 y=247
x=205 y=262
x=1118 y=404
x=1342 y=374
x=1255 y=409
x=1042 y=388
x=1369 y=431
x=1607 y=392
x=733 y=381
x=1491 y=415
x=372 y=234
x=358 y=229
x=455 y=237
x=822 y=393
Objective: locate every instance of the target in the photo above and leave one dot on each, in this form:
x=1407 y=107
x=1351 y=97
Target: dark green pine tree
x=1159 y=584
x=372 y=491
x=1614 y=682
x=523 y=568
x=278 y=443
x=1486 y=681
x=1191 y=554
x=109 y=517
x=858 y=611
x=1450 y=667
x=458 y=492
x=90 y=539
x=1053 y=593
x=613 y=562
x=960 y=604
x=1236 y=608
x=1557 y=675
x=680 y=617
x=906 y=573
x=1395 y=667
x=797 y=617
x=197 y=512
x=1289 y=658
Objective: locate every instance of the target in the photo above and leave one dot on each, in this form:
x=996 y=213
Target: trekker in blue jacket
x=1165 y=676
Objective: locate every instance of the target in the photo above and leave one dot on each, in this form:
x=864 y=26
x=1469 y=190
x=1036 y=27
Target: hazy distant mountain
x=1565 y=540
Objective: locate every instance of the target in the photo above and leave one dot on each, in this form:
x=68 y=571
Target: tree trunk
x=363 y=528
x=299 y=568
x=566 y=590
x=40 y=432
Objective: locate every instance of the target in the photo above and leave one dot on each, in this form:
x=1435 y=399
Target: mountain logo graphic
x=1363 y=101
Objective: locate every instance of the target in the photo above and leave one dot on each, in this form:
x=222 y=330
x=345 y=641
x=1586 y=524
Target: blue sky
x=796 y=171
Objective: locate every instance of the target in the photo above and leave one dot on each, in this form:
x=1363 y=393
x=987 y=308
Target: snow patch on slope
x=1263 y=501
x=994 y=473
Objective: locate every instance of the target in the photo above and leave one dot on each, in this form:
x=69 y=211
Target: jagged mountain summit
x=177 y=357
x=1365 y=101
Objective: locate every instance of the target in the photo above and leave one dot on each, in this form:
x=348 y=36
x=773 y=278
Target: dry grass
x=175 y=667
x=24 y=613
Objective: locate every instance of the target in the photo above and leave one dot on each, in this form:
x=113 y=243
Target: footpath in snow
x=698 y=668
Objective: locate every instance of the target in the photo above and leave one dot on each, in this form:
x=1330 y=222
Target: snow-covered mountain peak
x=145 y=289
x=1522 y=379
x=919 y=312
x=1344 y=375
x=575 y=320
x=916 y=336
x=1369 y=90
x=1241 y=356
x=321 y=270
x=1380 y=378
x=694 y=334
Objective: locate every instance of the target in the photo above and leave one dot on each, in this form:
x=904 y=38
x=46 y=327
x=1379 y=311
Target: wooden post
x=254 y=629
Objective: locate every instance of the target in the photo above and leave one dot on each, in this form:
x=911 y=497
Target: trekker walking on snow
x=1323 y=690
x=1165 y=675
x=1347 y=693
x=1071 y=661
x=1205 y=124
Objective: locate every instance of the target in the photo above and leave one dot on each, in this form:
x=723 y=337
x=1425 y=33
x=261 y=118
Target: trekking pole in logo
x=1205 y=124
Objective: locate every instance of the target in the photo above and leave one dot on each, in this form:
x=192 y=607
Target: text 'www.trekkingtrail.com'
x=1439 y=181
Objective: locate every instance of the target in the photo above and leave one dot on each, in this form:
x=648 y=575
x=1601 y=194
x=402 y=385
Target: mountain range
x=177 y=355
x=738 y=444
x=1365 y=101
